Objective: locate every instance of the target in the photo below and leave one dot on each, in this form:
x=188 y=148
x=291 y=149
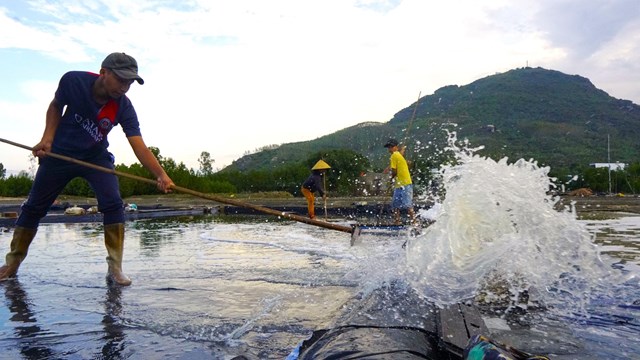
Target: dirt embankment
x=601 y=206
x=586 y=206
x=185 y=200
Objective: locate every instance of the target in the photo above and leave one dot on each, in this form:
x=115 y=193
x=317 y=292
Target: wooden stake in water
x=324 y=179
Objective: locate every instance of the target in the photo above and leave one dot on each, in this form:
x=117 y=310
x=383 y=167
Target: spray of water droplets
x=497 y=224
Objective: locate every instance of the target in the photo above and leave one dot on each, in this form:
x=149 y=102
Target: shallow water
x=205 y=288
x=201 y=289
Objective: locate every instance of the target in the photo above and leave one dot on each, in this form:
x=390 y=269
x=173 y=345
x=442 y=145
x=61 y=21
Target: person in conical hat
x=314 y=184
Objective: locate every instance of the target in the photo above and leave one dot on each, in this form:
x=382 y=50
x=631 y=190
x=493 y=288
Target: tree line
x=347 y=166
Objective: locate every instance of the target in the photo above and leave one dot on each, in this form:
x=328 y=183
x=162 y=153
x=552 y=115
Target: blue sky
x=230 y=77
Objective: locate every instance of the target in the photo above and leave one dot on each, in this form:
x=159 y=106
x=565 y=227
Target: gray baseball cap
x=123 y=65
x=391 y=143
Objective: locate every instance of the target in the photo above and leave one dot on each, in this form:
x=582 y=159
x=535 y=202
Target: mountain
x=560 y=120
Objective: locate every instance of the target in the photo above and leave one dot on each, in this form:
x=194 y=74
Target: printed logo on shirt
x=104 y=122
x=105 y=125
x=90 y=127
x=107 y=115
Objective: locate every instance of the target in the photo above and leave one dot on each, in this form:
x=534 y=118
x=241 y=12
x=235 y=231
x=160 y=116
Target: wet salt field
x=201 y=289
x=218 y=287
x=205 y=288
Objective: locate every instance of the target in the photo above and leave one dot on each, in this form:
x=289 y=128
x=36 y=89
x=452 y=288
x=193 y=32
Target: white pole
x=609 y=162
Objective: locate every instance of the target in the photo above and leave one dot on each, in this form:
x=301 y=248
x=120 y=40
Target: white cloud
x=228 y=77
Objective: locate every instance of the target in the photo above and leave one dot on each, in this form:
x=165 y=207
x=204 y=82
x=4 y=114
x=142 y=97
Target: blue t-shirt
x=82 y=132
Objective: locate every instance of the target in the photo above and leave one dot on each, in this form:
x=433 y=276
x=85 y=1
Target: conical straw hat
x=321 y=165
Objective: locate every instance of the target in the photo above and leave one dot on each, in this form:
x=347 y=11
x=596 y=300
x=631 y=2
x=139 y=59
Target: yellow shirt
x=399 y=164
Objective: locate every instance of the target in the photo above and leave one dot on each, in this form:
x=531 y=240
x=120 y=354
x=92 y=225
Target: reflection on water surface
x=208 y=287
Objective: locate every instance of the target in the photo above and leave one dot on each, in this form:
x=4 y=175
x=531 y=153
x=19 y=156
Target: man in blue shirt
x=93 y=104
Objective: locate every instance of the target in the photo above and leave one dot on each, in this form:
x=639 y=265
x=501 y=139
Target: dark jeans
x=54 y=174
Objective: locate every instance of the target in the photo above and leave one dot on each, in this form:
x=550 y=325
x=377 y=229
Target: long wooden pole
x=413 y=116
x=324 y=184
x=353 y=230
x=407 y=132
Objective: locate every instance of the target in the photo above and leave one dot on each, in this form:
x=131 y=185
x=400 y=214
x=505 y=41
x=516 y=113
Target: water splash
x=498 y=226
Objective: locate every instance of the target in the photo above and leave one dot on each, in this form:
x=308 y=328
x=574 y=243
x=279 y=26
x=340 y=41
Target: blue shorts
x=402 y=197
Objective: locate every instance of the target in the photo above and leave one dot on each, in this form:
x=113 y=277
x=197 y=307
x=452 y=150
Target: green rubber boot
x=114 y=241
x=22 y=238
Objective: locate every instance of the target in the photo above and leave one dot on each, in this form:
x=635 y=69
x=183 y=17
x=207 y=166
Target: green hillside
x=364 y=138
x=558 y=119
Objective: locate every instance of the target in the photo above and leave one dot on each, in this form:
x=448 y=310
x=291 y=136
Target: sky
x=231 y=77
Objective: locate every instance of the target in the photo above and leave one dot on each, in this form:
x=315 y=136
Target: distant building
x=614 y=166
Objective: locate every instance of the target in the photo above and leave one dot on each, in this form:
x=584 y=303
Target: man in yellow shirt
x=402 y=185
